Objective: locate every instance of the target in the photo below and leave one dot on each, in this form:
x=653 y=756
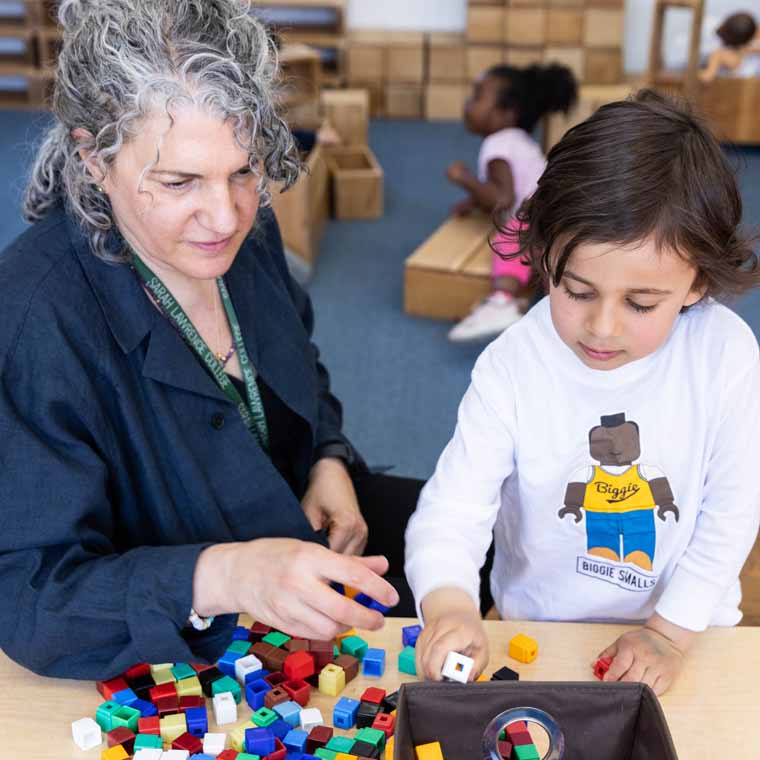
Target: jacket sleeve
x=75 y=605
x=330 y=413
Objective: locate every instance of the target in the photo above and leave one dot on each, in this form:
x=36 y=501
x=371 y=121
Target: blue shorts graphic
x=604 y=529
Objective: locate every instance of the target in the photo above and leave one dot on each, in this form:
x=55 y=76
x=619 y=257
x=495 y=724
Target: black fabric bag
x=616 y=721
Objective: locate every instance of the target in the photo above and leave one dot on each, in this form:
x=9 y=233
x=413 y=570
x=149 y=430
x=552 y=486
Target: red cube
x=109 y=688
x=299 y=665
x=227 y=754
x=185 y=703
x=189 y=742
x=602 y=666
x=384 y=722
x=151 y=725
x=258 y=631
x=505 y=749
x=162 y=690
x=373 y=695
x=276 y=678
x=166 y=705
x=280 y=751
x=141 y=669
x=199 y=667
x=299 y=691
x=318 y=737
x=121 y=735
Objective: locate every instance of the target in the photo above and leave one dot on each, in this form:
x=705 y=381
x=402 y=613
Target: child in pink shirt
x=505 y=105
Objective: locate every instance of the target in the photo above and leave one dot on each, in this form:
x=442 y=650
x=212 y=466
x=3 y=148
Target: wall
x=450 y=15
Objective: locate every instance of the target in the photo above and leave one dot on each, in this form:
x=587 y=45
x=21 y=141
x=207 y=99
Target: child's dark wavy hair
x=636 y=168
x=737 y=30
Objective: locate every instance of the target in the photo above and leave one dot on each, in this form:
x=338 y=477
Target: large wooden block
x=302 y=210
x=572 y=57
x=480 y=58
x=603 y=28
x=524 y=56
x=564 y=26
x=24 y=87
x=348 y=112
x=731 y=106
x=404 y=57
x=604 y=66
x=403 y=101
x=445 y=102
x=525 y=26
x=451 y=271
x=365 y=56
x=18 y=46
x=357 y=181
x=447 y=58
x=485 y=24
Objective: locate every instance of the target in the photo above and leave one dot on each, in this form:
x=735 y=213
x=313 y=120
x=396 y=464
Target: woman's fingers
x=362 y=573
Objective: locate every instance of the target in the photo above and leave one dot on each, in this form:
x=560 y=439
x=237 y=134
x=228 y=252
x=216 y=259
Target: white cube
x=457 y=667
x=247 y=664
x=225 y=708
x=213 y=744
x=310 y=717
x=86 y=733
x=175 y=754
x=148 y=753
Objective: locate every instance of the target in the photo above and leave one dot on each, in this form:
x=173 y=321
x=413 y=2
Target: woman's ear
x=84 y=140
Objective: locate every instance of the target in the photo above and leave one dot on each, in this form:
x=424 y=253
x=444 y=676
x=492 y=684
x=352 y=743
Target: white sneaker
x=488 y=319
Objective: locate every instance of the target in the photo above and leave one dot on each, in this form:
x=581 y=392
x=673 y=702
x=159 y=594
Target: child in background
x=609 y=439
x=740 y=54
x=505 y=106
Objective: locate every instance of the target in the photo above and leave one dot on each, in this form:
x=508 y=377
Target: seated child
x=608 y=440
x=505 y=106
x=740 y=51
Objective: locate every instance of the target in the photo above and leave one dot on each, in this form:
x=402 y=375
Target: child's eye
x=578 y=296
x=639 y=308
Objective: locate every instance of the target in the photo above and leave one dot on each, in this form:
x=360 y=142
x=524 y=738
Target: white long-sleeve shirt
x=522 y=436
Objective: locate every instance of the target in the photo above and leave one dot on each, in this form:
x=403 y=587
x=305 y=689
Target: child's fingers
x=661 y=684
x=634 y=674
x=623 y=659
x=649 y=676
x=610 y=652
x=447 y=641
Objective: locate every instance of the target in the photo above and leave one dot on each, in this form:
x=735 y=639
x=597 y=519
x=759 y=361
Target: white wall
x=450 y=15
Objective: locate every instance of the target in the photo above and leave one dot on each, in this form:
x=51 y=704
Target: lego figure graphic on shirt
x=619 y=496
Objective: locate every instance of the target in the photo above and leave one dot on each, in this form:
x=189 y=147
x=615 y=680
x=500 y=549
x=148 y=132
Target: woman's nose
x=219 y=212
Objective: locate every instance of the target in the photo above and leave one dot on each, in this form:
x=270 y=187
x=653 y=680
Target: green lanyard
x=251 y=412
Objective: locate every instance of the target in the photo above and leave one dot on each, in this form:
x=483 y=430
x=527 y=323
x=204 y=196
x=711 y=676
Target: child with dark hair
x=505 y=106
x=608 y=441
x=740 y=51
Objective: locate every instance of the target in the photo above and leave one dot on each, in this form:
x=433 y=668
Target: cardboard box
x=564 y=26
x=603 y=28
x=525 y=26
x=302 y=210
x=404 y=57
x=451 y=271
x=485 y=24
x=403 y=101
x=348 y=112
x=480 y=58
x=447 y=58
x=357 y=183
x=445 y=101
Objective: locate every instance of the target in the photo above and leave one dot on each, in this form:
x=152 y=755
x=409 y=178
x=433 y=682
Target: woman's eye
x=176 y=185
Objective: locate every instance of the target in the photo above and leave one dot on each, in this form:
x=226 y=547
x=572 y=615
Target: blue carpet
x=399 y=379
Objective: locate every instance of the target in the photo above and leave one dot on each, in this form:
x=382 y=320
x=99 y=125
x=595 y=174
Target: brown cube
x=322 y=651
x=318 y=737
x=277 y=659
x=276 y=696
x=121 y=735
x=297 y=645
x=350 y=665
x=263 y=651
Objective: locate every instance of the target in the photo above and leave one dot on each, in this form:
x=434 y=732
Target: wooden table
x=712 y=710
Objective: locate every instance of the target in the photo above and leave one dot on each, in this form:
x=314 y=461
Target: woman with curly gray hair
x=171 y=449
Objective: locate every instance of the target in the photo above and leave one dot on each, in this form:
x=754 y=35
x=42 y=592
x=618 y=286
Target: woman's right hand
x=452 y=624
x=285 y=583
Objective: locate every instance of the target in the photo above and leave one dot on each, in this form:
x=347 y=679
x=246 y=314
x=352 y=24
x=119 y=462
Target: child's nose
x=602 y=322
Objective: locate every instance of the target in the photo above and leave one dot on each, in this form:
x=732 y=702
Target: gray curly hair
x=120 y=60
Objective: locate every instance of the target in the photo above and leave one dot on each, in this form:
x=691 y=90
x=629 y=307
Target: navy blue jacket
x=120 y=458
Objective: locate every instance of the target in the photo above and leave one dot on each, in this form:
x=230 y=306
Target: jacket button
x=217 y=420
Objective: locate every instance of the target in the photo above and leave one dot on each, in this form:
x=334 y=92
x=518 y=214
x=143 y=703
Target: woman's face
x=189 y=214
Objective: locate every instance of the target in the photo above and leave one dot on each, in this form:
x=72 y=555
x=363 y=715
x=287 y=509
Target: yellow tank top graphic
x=617 y=493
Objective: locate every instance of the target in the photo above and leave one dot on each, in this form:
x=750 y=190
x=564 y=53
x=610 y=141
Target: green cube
x=148 y=741
x=406 y=662
x=372 y=736
x=240 y=647
x=182 y=670
x=326 y=754
x=525 y=752
x=341 y=744
x=264 y=717
x=275 y=638
x=246 y=756
x=104 y=715
x=225 y=683
x=125 y=716
x=355 y=646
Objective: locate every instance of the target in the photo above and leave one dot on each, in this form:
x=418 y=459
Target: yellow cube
x=332 y=680
x=350 y=592
x=237 y=737
x=162 y=673
x=172 y=726
x=189 y=687
x=523 y=648
x=344 y=756
x=430 y=751
x=389 y=747
x=481 y=677
x=117 y=752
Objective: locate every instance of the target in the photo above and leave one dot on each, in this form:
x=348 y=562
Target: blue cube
x=295 y=741
x=410 y=634
x=279 y=728
x=255 y=693
x=147 y=709
x=368 y=601
x=240 y=633
x=373 y=663
x=197 y=721
x=125 y=697
x=344 y=712
x=259 y=741
x=226 y=663
x=290 y=712
x=256 y=675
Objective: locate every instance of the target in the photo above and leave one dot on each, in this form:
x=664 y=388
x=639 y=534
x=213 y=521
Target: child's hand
x=458 y=172
x=452 y=624
x=652 y=655
x=464 y=207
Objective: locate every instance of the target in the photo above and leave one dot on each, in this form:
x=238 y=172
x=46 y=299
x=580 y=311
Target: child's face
x=481 y=113
x=617 y=304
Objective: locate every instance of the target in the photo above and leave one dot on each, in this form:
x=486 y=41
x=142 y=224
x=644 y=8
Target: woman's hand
x=452 y=624
x=652 y=655
x=285 y=583
x=330 y=502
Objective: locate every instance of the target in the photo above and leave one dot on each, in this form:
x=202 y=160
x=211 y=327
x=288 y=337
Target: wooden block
x=524 y=56
x=603 y=28
x=572 y=57
x=480 y=58
x=525 y=26
x=302 y=210
x=731 y=105
x=526 y=3
x=24 y=87
x=564 y=26
x=49 y=43
x=451 y=271
x=365 y=56
x=24 y=14
x=403 y=101
x=485 y=24
x=445 y=101
x=604 y=66
x=568 y=3
x=376 y=94
x=348 y=112
x=18 y=46
x=750 y=580
x=357 y=181
x=404 y=57
x=447 y=58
